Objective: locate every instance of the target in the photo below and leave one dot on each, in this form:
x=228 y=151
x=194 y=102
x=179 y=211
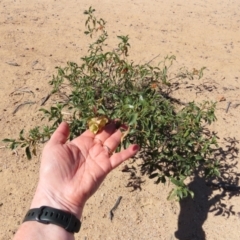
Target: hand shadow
x=193 y=212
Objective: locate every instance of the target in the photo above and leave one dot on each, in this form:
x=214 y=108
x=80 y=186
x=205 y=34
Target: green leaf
x=101 y=111
x=186 y=133
x=28 y=153
x=178 y=183
x=133 y=119
x=191 y=193
x=14 y=145
x=8 y=140
x=180 y=193
x=198 y=157
x=21 y=135
x=44 y=111
x=201 y=72
x=172 y=195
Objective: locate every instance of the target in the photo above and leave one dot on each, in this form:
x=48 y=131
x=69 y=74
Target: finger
x=112 y=142
x=61 y=134
x=107 y=131
x=88 y=133
x=122 y=156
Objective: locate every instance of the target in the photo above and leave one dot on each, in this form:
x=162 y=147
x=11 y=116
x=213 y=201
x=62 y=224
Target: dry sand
x=39 y=35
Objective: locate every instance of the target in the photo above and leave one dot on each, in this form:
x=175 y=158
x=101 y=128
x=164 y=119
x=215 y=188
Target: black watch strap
x=55 y=216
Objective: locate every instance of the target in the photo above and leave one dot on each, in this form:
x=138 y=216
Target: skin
x=70 y=174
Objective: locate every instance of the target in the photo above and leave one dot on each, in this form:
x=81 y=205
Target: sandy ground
x=40 y=35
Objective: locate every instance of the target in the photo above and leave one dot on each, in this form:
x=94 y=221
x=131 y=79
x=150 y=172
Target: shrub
x=173 y=140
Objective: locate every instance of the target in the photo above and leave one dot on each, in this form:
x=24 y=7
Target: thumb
x=61 y=134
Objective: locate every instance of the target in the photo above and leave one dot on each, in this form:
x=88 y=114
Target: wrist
x=43 y=197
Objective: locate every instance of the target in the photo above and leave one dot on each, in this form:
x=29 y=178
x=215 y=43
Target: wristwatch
x=55 y=216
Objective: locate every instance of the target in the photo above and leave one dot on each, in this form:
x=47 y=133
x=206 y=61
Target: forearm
x=33 y=230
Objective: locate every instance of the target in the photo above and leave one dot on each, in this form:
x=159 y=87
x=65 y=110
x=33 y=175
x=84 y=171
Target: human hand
x=72 y=171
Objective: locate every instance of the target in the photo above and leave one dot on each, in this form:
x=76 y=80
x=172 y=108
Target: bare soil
x=37 y=36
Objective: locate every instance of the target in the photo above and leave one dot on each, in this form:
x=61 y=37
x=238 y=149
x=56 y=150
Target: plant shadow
x=194 y=212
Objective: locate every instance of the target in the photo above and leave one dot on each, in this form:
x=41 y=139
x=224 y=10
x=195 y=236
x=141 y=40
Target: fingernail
x=136 y=148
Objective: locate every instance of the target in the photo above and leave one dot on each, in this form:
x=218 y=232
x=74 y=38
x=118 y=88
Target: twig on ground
x=153 y=58
x=22 y=104
x=228 y=106
x=34 y=63
x=13 y=64
x=45 y=99
x=236 y=105
x=111 y=215
x=22 y=90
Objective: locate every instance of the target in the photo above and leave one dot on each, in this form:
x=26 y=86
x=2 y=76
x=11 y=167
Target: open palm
x=72 y=171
